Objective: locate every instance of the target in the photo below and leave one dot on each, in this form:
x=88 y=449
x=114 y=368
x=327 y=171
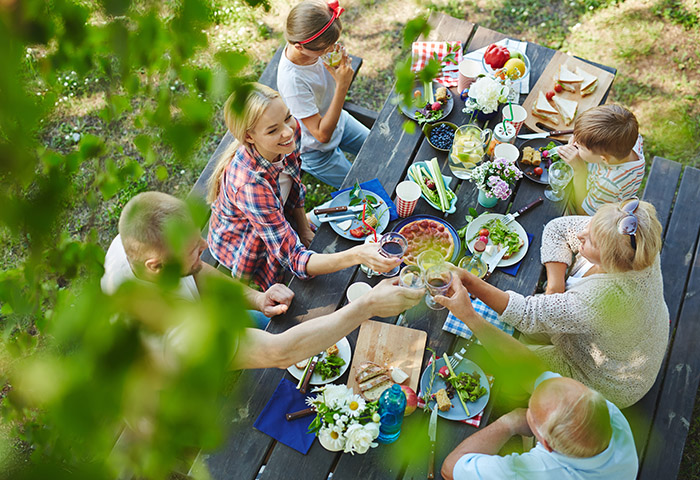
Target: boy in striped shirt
x=607 y=156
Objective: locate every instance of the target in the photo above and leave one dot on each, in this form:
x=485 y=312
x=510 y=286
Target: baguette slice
x=301 y=365
x=589 y=84
x=377 y=385
x=332 y=350
x=507 y=256
x=368 y=370
x=567 y=108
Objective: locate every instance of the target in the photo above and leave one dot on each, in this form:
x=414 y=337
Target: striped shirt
x=248 y=230
x=614 y=183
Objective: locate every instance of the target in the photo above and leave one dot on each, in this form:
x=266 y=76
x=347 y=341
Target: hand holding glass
x=392 y=245
x=560 y=174
x=438 y=280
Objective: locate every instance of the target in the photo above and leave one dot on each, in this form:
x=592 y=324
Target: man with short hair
x=156 y=232
x=579 y=433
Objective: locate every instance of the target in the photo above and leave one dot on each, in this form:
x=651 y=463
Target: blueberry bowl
x=440 y=135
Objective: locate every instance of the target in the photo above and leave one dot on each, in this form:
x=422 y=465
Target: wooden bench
x=660 y=421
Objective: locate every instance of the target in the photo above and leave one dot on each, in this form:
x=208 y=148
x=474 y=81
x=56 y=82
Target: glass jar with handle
x=468 y=149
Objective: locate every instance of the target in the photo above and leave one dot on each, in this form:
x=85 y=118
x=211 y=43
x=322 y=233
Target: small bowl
x=428 y=127
x=492 y=72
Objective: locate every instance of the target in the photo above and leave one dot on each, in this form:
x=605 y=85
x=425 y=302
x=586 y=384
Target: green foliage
x=676 y=12
x=79 y=366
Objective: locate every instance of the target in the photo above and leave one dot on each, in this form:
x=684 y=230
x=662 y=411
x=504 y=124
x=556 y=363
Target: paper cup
x=468 y=71
x=407 y=195
x=519 y=116
x=506 y=150
x=356 y=290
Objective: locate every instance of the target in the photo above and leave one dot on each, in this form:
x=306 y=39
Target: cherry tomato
x=558 y=88
x=484 y=232
x=538 y=171
x=549 y=95
x=484 y=239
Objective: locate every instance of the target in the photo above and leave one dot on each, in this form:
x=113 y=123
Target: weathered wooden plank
x=676 y=262
x=661 y=186
x=680 y=384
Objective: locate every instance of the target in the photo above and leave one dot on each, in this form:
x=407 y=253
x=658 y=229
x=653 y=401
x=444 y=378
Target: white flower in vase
x=331 y=440
x=486 y=94
x=354 y=406
x=335 y=396
x=359 y=438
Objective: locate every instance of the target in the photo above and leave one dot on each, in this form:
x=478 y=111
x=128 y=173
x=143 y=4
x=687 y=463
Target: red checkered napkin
x=423 y=51
x=475 y=421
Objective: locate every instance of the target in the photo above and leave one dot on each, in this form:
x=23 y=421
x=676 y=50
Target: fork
x=457 y=357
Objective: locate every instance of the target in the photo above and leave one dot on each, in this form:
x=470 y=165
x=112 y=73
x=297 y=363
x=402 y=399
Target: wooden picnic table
x=386 y=155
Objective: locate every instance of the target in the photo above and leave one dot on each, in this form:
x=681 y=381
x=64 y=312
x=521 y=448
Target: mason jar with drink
x=468 y=149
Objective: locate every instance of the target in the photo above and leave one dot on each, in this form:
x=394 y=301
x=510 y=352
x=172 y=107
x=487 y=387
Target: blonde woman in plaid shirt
x=256 y=187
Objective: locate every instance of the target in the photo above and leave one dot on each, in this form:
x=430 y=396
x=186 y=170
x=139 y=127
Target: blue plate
x=450 y=228
x=343 y=199
x=457 y=411
x=446 y=181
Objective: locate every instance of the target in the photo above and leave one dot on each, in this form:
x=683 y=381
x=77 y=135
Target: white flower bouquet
x=495 y=178
x=344 y=421
x=485 y=95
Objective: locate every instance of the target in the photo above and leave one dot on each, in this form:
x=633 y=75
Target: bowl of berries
x=440 y=135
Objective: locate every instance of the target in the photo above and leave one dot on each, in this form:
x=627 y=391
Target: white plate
x=382 y=211
x=476 y=225
x=344 y=352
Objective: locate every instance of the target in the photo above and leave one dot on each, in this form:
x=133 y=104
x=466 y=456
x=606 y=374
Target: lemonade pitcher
x=468 y=149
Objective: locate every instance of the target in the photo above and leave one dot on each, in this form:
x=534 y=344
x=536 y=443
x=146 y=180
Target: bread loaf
x=367 y=370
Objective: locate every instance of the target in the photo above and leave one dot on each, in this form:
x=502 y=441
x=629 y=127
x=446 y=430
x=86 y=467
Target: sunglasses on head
x=627 y=225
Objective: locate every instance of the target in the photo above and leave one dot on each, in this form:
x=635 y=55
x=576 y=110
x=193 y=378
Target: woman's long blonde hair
x=239 y=122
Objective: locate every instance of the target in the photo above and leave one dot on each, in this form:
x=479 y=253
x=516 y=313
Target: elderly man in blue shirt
x=580 y=435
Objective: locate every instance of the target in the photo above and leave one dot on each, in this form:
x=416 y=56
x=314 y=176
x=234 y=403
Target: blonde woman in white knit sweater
x=604 y=321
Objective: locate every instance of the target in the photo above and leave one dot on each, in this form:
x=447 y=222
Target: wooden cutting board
x=389 y=346
x=546 y=83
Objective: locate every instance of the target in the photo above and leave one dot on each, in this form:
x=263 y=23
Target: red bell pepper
x=496 y=56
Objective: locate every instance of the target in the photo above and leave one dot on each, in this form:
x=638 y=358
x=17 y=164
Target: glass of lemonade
x=560 y=174
x=333 y=58
x=467 y=149
x=437 y=280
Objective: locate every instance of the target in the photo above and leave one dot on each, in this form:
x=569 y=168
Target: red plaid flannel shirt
x=248 y=230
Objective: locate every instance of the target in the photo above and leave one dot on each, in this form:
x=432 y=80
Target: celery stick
x=439 y=184
x=428 y=92
x=452 y=374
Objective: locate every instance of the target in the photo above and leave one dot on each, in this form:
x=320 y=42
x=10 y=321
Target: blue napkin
x=272 y=421
x=455 y=325
x=376 y=187
x=513 y=269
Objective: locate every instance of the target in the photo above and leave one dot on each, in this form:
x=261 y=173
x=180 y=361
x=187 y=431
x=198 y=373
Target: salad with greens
x=500 y=234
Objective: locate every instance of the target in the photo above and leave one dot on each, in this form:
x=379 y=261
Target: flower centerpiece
x=485 y=95
x=344 y=420
x=495 y=180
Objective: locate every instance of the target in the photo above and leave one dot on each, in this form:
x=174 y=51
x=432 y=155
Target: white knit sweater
x=609 y=330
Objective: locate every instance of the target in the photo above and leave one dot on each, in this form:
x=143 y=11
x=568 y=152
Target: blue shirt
x=618 y=461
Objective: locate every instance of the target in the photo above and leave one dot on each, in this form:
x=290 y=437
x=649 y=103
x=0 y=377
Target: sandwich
x=567 y=108
x=545 y=110
x=589 y=83
x=567 y=79
x=372 y=380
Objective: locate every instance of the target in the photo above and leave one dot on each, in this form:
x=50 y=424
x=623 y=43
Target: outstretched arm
x=523 y=365
x=260 y=349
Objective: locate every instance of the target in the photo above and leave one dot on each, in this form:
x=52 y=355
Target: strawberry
x=558 y=88
x=549 y=94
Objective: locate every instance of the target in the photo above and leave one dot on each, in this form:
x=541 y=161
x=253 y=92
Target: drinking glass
x=474 y=264
x=428 y=258
x=411 y=276
x=392 y=245
x=437 y=280
x=560 y=174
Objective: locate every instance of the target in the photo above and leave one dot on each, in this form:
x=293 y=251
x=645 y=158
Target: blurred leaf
x=161 y=173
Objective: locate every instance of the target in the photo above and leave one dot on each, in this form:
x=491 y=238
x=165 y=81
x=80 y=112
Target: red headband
x=337 y=11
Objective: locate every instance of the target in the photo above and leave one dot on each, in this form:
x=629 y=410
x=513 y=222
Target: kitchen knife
x=342 y=208
x=309 y=372
x=336 y=218
x=300 y=414
x=511 y=216
x=529 y=136
x=432 y=435
x=493 y=261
